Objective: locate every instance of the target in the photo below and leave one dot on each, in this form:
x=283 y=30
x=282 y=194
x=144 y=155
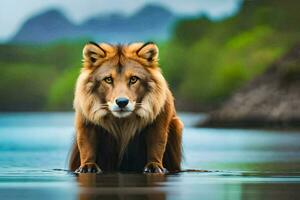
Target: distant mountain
x=151 y=22
x=48 y=26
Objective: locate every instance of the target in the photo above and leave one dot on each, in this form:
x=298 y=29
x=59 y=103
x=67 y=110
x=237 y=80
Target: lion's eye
x=108 y=80
x=133 y=79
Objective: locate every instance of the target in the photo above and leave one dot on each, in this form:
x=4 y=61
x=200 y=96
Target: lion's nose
x=122 y=102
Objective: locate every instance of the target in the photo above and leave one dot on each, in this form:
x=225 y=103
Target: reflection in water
x=121 y=186
x=262 y=191
x=190 y=185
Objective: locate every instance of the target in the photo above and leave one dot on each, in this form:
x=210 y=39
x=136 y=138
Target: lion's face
x=121 y=86
x=120 y=81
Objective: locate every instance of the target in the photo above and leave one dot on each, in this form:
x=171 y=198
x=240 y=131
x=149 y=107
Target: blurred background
x=232 y=63
x=208 y=49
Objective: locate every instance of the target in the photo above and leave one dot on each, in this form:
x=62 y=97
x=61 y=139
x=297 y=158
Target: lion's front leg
x=157 y=138
x=87 y=143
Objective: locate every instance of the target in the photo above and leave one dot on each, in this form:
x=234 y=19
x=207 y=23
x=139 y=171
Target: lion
x=125 y=118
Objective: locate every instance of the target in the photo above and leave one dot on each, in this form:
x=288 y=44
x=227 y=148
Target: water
x=236 y=164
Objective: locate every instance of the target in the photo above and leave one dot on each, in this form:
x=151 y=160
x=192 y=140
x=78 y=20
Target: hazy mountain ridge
x=150 y=22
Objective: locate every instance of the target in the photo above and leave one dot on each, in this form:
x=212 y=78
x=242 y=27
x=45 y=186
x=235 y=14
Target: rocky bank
x=270 y=100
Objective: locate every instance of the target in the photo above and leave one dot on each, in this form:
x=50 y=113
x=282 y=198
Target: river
x=236 y=164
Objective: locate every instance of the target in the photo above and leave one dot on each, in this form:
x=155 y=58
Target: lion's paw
x=154 y=167
x=88 y=168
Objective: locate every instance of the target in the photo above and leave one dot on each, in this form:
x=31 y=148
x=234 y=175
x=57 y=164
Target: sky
x=13 y=13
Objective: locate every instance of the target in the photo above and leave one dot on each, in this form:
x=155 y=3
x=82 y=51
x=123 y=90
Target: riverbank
x=270 y=100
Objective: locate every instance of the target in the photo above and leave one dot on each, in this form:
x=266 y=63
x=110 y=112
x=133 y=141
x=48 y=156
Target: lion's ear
x=92 y=52
x=148 y=51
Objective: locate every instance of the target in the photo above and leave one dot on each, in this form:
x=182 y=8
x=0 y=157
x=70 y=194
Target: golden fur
x=151 y=116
